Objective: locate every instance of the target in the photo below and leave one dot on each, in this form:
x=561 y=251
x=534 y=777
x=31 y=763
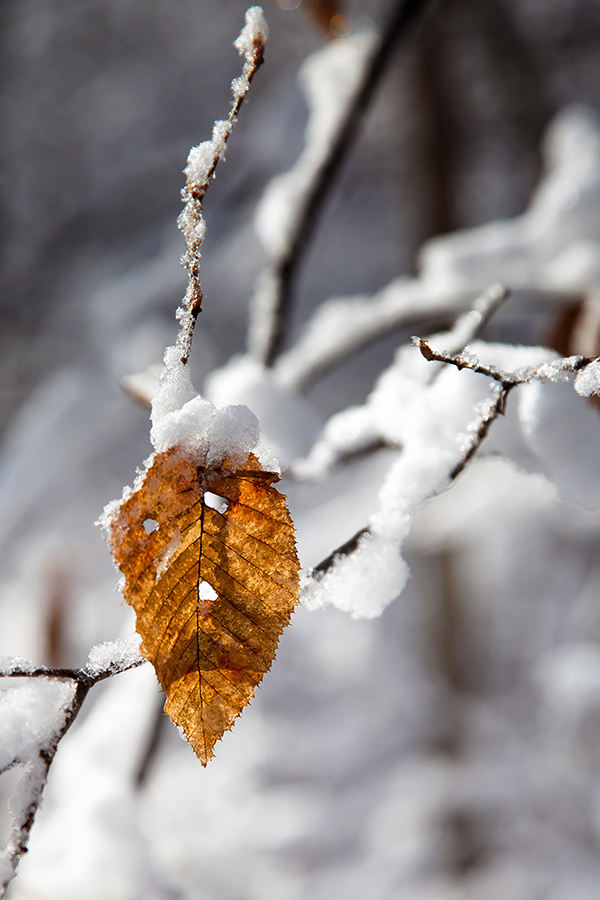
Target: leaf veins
x=213 y=581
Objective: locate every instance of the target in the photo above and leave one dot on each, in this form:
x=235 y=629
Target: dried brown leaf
x=171 y=544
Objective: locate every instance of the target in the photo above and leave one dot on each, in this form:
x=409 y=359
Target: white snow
x=208 y=434
x=255 y=30
x=288 y=422
x=587 y=381
x=114 y=656
x=30 y=715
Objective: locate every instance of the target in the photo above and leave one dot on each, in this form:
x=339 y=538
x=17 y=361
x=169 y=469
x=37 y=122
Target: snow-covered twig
x=31 y=732
x=200 y=170
x=174 y=419
x=556 y=370
x=466 y=328
x=470 y=325
x=273 y=295
x=587 y=383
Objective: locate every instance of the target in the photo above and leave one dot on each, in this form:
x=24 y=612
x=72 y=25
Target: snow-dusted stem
x=556 y=370
x=470 y=325
x=200 y=170
x=37 y=766
x=285 y=266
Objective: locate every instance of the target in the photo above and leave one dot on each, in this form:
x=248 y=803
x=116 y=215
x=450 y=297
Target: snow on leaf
x=213 y=585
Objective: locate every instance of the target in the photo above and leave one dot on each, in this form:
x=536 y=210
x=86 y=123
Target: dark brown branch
x=345 y=550
x=287 y=265
x=498 y=408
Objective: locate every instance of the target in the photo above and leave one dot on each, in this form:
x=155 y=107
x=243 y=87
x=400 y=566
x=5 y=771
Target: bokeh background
x=449 y=748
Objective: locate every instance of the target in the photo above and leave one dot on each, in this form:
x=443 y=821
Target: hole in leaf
x=214 y=501
x=150 y=525
x=207 y=592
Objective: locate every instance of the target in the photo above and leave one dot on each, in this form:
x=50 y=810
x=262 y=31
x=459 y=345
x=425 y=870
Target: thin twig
x=548 y=371
x=497 y=408
x=288 y=263
x=152 y=744
x=344 y=550
x=470 y=325
x=251 y=44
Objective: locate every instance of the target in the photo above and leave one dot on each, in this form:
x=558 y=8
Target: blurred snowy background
x=450 y=747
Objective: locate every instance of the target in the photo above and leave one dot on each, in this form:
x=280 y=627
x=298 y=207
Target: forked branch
x=504 y=382
x=105 y=661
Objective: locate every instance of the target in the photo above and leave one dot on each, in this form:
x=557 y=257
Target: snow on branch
x=339 y=83
x=547 y=255
x=34 y=717
x=554 y=370
x=437 y=423
x=343 y=326
x=179 y=416
x=200 y=170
